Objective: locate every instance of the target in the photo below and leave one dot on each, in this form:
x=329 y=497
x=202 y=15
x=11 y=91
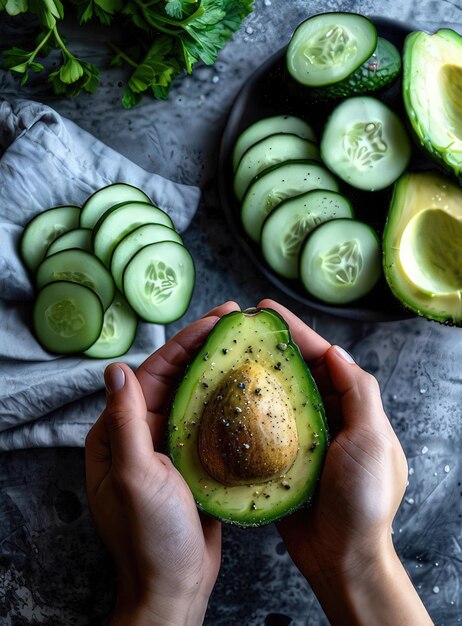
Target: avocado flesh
x=422 y=246
x=272 y=477
x=432 y=91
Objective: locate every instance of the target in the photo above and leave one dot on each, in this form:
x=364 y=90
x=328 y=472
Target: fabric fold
x=46 y=161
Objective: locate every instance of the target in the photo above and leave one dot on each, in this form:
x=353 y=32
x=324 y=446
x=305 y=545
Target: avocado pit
x=248 y=432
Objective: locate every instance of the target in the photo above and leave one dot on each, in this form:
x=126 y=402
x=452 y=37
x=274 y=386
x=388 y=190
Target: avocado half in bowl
x=432 y=94
x=247 y=428
x=422 y=246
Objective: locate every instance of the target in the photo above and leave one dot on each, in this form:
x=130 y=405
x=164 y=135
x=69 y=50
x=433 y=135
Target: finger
x=125 y=418
x=322 y=378
x=293 y=530
x=212 y=530
x=97 y=455
x=223 y=309
x=312 y=346
x=333 y=409
x=359 y=391
x=159 y=374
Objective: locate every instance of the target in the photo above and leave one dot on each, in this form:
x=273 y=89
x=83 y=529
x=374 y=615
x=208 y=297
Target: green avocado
x=422 y=246
x=432 y=91
x=247 y=428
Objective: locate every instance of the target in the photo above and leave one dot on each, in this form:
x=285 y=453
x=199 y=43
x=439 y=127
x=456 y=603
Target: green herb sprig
x=170 y=37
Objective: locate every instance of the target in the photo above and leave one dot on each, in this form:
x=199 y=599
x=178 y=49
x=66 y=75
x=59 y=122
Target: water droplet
x=436 y=589
x=267 y=3
x=424 y=450
x=411 y=471
x=423 y=390
x=436 y=564
x=249 y=30
x=215 y=79
x=410 y=500
x=447 y=469
x=394 y=397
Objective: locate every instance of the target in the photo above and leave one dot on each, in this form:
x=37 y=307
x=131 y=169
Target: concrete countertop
x=53 y=568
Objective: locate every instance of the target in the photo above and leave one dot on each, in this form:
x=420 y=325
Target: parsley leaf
x=177 y=8
x=168 y=37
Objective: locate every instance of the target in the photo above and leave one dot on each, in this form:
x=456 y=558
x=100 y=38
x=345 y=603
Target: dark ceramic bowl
x=269 y=91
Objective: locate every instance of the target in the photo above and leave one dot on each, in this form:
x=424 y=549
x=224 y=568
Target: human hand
x=166 y=554
x=343 y=544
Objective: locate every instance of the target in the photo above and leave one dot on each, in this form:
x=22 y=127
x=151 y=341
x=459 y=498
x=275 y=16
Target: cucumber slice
x=340 y=261
x=121 y=220
x=274 y=185
x=328 y=47
x=78 y=238
x=67 y=317
x=377 y=72
x=268 y=152
x=286 y=228
x=270 y=126
x=103 y=199
x=159 y=281
x=77 y=266
x=134 y=241
x=43 y=229
x=118 y=332
x=365 y=143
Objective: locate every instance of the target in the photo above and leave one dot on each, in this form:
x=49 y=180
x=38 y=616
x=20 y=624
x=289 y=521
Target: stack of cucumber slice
x=288 y=185
x=293 y=209
x=100 y=267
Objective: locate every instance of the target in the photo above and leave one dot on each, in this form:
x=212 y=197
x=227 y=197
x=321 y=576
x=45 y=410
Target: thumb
x=359 y=391
x=125 y=417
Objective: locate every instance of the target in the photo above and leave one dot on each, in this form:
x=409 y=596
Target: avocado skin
x=258 y=335
x=421 y=133
x=413 y=194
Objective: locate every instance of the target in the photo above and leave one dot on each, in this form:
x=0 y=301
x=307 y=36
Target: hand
x=167 y=556
x=343 y=544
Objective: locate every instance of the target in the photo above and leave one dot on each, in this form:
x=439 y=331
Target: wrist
x=160 y=612
x=159 y=609
x=358 y=562
x=369 y=588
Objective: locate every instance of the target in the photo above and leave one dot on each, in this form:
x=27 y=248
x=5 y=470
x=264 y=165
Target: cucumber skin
x=386 y=67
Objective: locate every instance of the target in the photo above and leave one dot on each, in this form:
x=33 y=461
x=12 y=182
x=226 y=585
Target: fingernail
x=346 y=356
x=114 y=378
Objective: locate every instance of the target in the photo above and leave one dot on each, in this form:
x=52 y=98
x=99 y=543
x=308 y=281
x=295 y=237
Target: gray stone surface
x=53 y=569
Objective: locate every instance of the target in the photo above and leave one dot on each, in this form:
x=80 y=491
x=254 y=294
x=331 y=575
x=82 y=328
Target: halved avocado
x=247 y=428
x=432 y=91
x=422 y=246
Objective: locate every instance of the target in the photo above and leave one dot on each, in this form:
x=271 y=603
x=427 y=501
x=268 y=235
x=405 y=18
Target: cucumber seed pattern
x=74 y=277
x=292 y=241
x=364 y=144
x=161 y=281
x=65 y=318
x=109 y=331
x=278 y=195
x=343 y=263
x=333 y=45
x=55 y=232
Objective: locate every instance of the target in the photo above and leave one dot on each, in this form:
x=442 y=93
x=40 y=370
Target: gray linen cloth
x=46 y=161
